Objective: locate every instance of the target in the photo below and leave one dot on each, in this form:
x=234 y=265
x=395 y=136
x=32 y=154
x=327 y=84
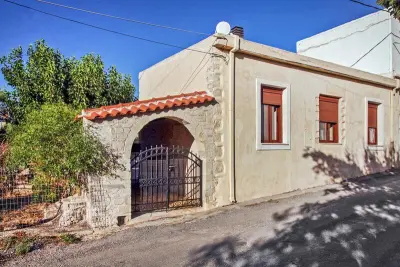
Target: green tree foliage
x=56 y=148
x=393 y=6
x=46 y=76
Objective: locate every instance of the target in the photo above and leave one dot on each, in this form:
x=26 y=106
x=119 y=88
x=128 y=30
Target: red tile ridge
x=148 y=105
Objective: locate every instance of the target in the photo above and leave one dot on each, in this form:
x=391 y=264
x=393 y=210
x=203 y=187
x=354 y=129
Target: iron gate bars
x=166 y=178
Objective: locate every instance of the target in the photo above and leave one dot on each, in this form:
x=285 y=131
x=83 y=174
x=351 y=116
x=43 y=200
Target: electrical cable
x=109 y=30
x=371 y=49
x=189 y=80
x=124 y=19
x=371 y=6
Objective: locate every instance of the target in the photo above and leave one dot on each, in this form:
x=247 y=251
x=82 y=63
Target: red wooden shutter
x=271 y=96
x=328 y=109
x=372 y=115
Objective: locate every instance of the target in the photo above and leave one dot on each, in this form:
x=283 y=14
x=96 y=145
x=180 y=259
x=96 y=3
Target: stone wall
x=109 y=198
x=73 y=211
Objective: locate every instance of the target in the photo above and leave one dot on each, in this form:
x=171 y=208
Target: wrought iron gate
x=166 y=178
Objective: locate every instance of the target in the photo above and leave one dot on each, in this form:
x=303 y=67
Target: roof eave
x=304 y=62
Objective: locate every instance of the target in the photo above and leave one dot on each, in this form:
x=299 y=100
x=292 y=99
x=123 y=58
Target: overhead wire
x=111 y=31
x=122 y=18
x=369 y=51
x=189 y=80
x=367 y=5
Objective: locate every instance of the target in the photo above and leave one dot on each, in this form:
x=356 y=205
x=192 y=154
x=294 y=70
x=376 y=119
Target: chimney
x=238 y=31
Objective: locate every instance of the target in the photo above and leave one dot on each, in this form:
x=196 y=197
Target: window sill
x=376 y=147
x=330 y=144
x=272 y=146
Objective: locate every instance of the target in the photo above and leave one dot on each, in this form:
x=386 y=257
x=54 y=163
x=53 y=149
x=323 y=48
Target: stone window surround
x=341 y=120
x=381 y=124
x=285 y=145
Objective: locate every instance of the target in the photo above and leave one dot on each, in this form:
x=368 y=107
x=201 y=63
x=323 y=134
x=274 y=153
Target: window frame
x=335 y=139
x=270 y=119
x=285 y=115
x=374 y=106
x=380 y=133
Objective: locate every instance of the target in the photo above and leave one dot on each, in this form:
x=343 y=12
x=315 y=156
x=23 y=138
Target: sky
x=278 y=23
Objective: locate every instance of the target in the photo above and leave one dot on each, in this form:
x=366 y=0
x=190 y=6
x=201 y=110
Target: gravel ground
x=353 y=225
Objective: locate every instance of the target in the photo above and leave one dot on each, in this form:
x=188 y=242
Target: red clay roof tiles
x=145 y=106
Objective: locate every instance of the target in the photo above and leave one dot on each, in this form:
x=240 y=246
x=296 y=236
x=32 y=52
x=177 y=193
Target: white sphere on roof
x=223 y=28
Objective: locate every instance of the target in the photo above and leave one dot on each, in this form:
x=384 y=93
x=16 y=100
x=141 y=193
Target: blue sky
x=276 y=23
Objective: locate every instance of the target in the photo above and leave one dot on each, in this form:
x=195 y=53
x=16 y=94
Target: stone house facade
x=262 y=120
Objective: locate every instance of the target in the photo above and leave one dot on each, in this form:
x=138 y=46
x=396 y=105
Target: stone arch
x=163 y=132
x=141 y=121
x=177 y=162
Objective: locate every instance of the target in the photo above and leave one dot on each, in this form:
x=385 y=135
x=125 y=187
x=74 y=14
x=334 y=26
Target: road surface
x=354 y=225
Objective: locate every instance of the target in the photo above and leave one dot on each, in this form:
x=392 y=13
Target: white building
x=371 y=43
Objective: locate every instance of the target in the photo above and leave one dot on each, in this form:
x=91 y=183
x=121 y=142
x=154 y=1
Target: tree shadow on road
x=357 y=224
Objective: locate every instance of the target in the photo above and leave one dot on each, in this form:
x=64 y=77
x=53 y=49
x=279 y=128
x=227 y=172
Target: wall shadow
x=349 y=166
x=355 y=224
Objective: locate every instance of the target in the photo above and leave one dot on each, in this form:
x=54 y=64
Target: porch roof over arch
x=145 y=106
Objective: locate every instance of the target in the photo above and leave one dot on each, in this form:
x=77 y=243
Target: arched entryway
x=163 y=132
x=166 y=174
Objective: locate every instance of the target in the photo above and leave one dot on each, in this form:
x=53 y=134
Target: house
x=229 y=120
x=370 y=43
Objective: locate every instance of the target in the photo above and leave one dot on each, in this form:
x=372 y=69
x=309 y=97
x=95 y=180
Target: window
x=372 y=131
x=271 y=115
x=328 y=119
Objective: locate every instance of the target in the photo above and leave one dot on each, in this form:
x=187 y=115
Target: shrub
x=70 y=238
x=24 y=246
x=57 y=150
x=48 y=190
x=9 y=242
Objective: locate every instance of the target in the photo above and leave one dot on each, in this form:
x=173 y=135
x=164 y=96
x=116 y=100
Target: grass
x=70 y=238
x=21 y=243
x=24 y=246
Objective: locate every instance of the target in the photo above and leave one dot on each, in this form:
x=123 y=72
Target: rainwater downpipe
x=232 y=181
x=394 y=102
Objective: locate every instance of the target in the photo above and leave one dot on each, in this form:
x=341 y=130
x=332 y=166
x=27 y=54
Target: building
x=229 y=120
x=370 y=43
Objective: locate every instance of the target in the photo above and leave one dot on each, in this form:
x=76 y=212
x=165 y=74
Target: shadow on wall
x=358 y=226
x=349 y=167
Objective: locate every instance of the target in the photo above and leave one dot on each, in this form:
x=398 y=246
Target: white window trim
x=381 y=125
x=285 y=145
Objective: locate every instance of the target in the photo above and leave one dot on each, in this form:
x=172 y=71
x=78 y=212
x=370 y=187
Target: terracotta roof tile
x=144 y=106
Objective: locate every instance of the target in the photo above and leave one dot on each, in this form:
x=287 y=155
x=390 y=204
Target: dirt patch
x=29 y=215
x=21 y=243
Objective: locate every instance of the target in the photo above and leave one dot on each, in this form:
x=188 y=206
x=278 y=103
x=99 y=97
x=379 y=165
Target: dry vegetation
x=29 y=215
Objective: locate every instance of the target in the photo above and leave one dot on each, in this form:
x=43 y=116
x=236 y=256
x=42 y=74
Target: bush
x=57 y=150
x=24 y=246
x=9 y=242
x=70 y=238
x=48 y=190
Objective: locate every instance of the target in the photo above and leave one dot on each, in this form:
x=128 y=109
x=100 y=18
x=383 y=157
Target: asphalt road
x=355 y=225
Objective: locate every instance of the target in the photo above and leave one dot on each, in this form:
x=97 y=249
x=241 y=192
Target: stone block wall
x=73 y=211
x=109 y=198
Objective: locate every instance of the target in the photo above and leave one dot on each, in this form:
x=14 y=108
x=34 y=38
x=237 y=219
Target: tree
x=56 y=148
x=47 y=76
x=393 y=6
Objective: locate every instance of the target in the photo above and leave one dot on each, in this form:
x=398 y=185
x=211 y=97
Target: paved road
x=357 y=225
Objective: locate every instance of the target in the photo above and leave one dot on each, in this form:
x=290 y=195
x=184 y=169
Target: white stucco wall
x=395 y=26
x=183 y=72
x=307 y=163
x=347 y=43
